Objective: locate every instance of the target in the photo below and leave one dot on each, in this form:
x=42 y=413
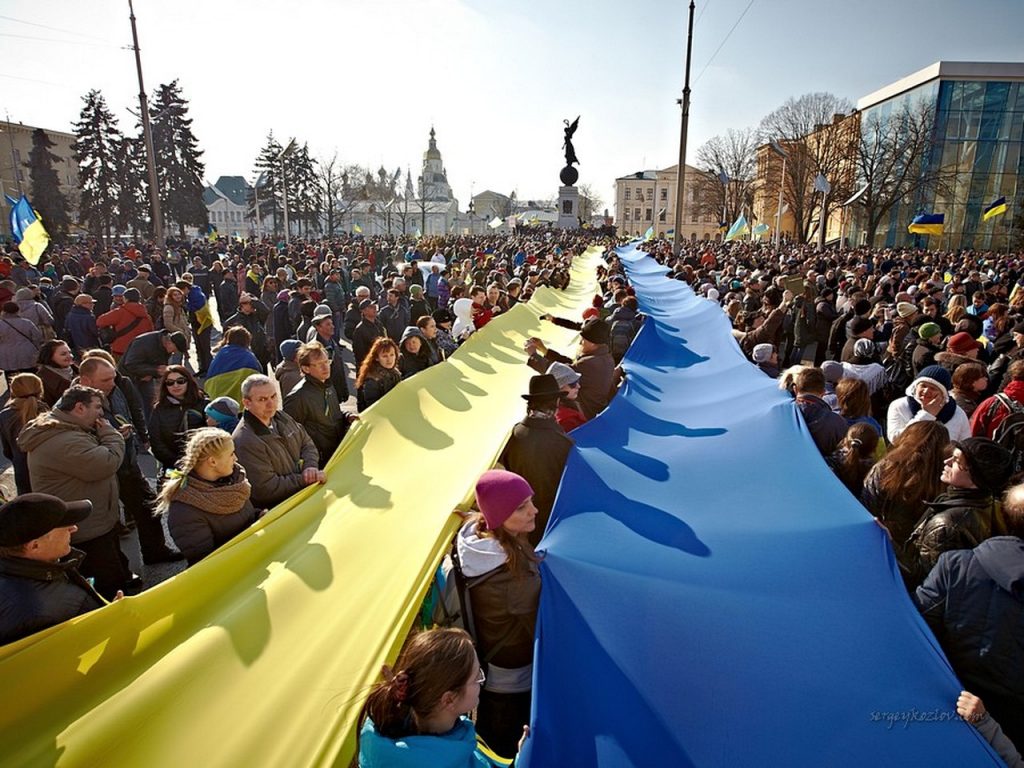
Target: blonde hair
x=202 y=444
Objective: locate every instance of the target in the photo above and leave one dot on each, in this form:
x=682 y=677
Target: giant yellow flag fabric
x=262 y=654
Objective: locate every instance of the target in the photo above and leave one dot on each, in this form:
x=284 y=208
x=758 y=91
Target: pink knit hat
x=498 y=493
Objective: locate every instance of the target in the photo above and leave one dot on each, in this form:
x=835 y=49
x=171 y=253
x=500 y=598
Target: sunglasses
x=175 y=382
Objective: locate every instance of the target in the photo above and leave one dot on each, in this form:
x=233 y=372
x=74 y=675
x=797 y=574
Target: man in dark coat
x=366 y=332
x=146 y=359
x=538 y=448
x=252 y=315
x=323 y=332
x=594 y=364
x=227 y=295
x=40 y=585
x=973 y=600
x=313 y=402
x=827 y=427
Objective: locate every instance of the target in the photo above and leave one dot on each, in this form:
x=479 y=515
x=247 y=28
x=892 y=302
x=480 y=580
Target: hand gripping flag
x=27 y=230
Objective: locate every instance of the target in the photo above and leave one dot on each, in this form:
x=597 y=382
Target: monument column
x=568 y=195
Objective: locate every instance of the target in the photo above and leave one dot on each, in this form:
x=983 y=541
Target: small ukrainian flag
x=996 y=209
x=27 y=230
x=927 y=224
x=357 y=229
x=649 y=234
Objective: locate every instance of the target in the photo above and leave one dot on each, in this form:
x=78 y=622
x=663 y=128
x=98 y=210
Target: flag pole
x=778 y=210
x=684 y=126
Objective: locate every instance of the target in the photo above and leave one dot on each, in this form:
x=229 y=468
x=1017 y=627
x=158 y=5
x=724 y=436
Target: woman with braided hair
x=207 y=500
x=416 y=715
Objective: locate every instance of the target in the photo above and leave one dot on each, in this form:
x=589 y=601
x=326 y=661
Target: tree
x=97 y=140
x=590 y=203
x=895 y=163
x=47 y=198
x=329 y=189
x=735 y=154
x=806 y=129
x=268 y=166
x=179 y=165
x=133 y=214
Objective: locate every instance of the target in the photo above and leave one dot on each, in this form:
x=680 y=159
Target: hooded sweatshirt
x=463 y=309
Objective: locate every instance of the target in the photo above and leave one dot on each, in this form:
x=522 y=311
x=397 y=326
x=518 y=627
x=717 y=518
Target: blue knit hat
x=224 y=411
x=935 y=374
x=289 y=348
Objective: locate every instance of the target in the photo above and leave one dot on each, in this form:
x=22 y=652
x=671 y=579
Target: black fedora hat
x=543 y=385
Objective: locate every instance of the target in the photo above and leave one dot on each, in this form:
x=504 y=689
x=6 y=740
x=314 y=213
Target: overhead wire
x=724 y=41
x=54 y=29
x=55 y=40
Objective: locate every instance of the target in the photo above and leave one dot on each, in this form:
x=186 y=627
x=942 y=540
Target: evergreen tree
x=270 y=192
x=97 y=139
x=47 y=198
x=179 y=167
x=133 y=187
x=303 y=184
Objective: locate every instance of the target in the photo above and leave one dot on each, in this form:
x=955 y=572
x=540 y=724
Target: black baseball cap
x=32 y=515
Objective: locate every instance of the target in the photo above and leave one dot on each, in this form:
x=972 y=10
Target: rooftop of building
x=234 y=188
x=946 y=70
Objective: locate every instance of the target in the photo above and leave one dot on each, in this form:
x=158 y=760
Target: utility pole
x=147 y=132
x=681 y=173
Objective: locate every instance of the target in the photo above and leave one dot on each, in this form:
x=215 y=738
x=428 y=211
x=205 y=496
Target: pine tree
x=133 y=187
x=97 y=139
x=47 y=198
x=179 y=167
x=267 y=164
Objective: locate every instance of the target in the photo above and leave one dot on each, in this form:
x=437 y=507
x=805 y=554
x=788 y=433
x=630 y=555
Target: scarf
x=65 y=373
x=221 y=497
x=947 y=412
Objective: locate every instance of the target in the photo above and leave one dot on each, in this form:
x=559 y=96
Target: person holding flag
x=200 y=320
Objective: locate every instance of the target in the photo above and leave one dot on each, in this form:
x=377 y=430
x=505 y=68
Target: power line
x=724 y=41
x=32 y=80
x=55 y=40
x=54 y=29
x=699 y=15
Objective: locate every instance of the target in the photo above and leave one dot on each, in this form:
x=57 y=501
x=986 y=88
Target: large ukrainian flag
x=927 y=224
x=996 y=209
x=27 y=230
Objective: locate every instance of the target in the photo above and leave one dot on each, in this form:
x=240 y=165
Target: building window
x=662 y=214
x=636 y=214
x=627 y=214
x=647 y=214
x=650 y=195
x=628 y=190
x=664 y=195
x=639 y=194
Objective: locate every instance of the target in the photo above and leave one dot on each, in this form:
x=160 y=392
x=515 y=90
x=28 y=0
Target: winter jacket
x=197 y=533
x=176 y=321
x=274 y=459
x=255 y=324
x=169 y=425
x=315 y=406
x=282 y=323
x=455 y=749
x=923 y=355
x=334 y=295
x=121 y=318
x=827 y=427
x=80 y=330
x=73 y=463
x=991 y=412
x=395 y=319
x=901 y=415
x=19 y=343
x=973 y=599
x=227 y=298
x=54 y=383
x=363 y=337
x=10 y=426
x=504 y=608
x=36 y=595
x=537 y=450
x=36 y=312
x=899 y=519
x=597 y=376
x=374 y=389
x=961 y=518
x=408 y=363
x=144 y=355
x=61 y=302
x=339 y=377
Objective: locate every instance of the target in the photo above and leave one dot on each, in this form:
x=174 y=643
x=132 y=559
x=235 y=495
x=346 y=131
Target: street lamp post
x=284 y=185
x=777 y=149
x=681 y=173
x=147 y=132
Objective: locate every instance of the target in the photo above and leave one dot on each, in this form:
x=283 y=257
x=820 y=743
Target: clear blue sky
x=369 y=77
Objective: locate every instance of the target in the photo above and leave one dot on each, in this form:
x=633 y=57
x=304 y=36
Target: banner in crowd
x=263 y=653
x=712 y=594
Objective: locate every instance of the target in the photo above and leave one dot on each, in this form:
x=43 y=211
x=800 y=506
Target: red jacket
x=120 y=318
x=990 y=413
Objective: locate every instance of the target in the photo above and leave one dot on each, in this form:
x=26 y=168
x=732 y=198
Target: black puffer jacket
x=35 y=595
x=197 y=533
x=974 y=602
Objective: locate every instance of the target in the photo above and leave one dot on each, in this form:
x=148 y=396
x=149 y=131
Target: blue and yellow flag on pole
x=996 y=209
x=738 y=229
x=927 y=224
x=27 y=230
x=649 y=234
x=211 y=233
x=357 y=229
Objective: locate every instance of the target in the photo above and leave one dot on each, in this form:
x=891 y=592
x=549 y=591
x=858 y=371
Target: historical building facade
x=648 y=198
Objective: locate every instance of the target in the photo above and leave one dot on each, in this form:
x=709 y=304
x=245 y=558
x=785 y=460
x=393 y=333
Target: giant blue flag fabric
x=712 y=594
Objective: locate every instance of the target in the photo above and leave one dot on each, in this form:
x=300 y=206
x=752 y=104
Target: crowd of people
x=907 y=367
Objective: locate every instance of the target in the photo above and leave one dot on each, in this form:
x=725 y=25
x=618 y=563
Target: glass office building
x=978 y=120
